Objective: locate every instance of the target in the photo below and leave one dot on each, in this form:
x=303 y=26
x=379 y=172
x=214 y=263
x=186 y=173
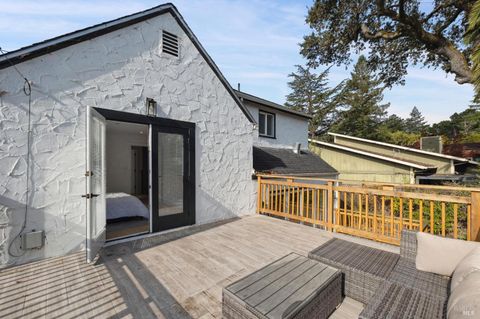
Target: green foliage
x=472 y=38
x=361 y=98
x=462 y=127
x=401 y=138
x=311 y=95
x=396 y=33
x=416 y=122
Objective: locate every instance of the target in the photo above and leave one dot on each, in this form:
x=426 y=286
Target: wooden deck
x=174 y=275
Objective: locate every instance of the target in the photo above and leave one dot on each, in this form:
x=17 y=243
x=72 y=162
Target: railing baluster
x=410 y=213
x=455 y=221
x=383 y=215
x=352 y=224
x=420 y=211
x=392 y=226
x=400 y=226
x=469 y=220
x=375 y=214
x=359 y=211
x=344 y=208
x=443 y=219
x=432 y=220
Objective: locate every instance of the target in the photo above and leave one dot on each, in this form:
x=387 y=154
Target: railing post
x=259 y=195
x=330 y=205
x=475 y=218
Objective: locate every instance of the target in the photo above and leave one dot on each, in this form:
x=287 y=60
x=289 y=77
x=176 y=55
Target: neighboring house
x=278 y=126
x=281 y=146
x=367 y=160
x=133 y=130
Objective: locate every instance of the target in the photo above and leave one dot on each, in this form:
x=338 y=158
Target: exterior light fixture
x=151 y=106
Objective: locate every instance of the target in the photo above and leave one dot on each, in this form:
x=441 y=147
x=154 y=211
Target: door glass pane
x=97 y=175
x=170 y=174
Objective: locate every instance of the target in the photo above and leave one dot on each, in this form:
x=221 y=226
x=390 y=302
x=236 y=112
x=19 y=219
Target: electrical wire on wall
x=27 y=90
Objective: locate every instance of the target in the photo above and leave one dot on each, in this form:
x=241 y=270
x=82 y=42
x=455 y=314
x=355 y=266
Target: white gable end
x=118 y=71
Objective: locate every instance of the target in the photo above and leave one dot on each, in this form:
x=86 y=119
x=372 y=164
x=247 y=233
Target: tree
x=472 y=37
x=362 y=97
x=416 y=122
x=461 y=127
x=311 y=95
x=396 y=32
x=394 y=123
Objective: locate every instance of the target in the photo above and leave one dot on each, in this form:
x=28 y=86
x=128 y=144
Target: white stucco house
x=123 y=129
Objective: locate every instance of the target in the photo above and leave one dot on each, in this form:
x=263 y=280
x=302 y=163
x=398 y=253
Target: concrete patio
x=178 y=274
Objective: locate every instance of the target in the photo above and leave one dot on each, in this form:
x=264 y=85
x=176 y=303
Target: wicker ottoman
x=365 y=268
x=291 y=287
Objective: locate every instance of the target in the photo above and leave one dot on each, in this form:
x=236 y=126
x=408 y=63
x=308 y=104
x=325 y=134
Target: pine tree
x=311 y=95
x=362 y=97
x=416 y=122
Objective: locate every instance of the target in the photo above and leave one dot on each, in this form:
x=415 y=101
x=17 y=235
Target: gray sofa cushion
x=400 y=302
x=405 y=273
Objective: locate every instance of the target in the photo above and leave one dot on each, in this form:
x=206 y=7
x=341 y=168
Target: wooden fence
x=373 y=211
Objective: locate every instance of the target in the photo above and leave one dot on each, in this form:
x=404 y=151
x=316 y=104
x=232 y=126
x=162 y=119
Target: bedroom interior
x=127 y=180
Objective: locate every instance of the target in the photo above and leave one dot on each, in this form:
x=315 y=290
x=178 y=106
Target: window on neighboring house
x=266 y=124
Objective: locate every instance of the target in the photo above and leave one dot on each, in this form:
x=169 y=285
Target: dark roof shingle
x=285 y=161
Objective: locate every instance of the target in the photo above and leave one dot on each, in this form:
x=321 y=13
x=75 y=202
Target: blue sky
x=253 y=42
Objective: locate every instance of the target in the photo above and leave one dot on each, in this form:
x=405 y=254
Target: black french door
x=173 y=187
x=172 y=163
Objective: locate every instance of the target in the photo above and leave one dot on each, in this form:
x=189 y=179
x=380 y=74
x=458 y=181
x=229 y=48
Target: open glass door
x=172 y=187
x=96 y=183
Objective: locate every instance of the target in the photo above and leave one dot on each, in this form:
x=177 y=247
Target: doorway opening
x=127 y=180
x=140 y=176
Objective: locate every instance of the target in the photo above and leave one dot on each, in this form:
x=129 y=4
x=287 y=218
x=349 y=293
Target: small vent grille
x=170 y=43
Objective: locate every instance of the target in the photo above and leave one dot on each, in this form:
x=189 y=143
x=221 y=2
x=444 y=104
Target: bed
x=123 y=206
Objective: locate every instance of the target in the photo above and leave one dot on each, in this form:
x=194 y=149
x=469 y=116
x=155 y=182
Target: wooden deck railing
x=373 y=211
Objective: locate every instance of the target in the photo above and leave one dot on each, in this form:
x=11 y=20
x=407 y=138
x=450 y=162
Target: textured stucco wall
x=117 y=71
x=290 y=129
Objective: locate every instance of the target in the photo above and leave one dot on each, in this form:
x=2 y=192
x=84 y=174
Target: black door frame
x=164 y=125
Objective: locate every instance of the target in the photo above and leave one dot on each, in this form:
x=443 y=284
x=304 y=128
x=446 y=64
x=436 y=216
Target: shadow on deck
x=174 y=275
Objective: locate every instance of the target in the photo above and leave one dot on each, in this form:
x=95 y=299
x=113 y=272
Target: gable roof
x=270 y=104
x=410 y=149
x=72 y=38
x=285 y=161
x=373 y=155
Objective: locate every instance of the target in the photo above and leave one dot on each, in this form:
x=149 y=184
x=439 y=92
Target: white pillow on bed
x=441 y=255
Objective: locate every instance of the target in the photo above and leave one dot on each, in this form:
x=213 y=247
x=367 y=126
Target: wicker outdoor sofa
x=388 y=284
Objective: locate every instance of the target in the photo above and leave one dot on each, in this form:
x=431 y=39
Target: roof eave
x=365 y=153
x=460 y=159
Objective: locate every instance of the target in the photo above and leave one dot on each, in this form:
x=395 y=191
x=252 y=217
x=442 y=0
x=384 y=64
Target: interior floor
x=127 y=228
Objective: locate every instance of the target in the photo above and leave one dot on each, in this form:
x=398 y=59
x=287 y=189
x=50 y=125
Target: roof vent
x=296 y=148
x=170 y=43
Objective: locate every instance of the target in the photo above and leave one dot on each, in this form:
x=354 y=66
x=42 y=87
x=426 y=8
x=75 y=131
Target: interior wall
x=119 y=158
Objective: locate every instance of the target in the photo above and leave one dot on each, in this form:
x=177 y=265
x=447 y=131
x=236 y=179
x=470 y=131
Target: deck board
x=174 y=276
